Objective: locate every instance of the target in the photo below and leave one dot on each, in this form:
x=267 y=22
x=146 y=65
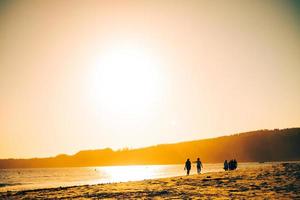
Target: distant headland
x=254 y=146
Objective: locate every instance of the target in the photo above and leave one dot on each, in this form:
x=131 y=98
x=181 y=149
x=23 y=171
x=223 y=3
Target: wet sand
x=280 y=181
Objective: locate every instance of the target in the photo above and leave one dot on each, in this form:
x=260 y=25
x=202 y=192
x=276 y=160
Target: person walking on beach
x=188 y=166
x=199 y=165
x=225 y=165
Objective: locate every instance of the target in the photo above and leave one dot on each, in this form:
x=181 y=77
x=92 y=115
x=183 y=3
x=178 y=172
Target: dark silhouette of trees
x=261 y=145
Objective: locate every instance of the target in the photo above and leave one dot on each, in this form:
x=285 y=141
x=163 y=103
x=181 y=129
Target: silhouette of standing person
x=199 y=165
x=230 y=165
x=234 y=164
x=225 y=165
x=188 y=166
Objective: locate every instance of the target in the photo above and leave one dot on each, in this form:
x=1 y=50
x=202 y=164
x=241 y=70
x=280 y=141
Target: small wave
x=9 y=184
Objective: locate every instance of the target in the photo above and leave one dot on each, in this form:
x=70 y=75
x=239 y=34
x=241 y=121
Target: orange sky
x=94 y=74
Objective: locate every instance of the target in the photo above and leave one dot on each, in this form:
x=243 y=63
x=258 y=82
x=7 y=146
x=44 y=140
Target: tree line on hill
x=255 y=146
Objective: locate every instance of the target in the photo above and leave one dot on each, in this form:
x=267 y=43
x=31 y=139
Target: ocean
x=34 y=178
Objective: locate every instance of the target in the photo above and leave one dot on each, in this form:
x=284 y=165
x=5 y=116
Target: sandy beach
x=280 y=181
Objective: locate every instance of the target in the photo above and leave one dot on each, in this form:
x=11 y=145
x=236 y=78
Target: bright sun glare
x=125 y=79
x=127 y=173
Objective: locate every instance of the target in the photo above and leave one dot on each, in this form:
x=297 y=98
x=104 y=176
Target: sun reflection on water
x=129 y=173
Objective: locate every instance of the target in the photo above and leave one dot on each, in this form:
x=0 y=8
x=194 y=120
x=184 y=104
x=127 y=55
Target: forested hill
x=262 y=145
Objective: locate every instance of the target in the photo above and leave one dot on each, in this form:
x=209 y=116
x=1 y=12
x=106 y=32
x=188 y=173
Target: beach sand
x=280 y=181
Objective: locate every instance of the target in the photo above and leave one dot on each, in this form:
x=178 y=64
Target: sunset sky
x=80 y=75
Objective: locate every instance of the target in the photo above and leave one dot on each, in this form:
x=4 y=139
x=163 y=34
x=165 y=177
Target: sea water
x=34 y=178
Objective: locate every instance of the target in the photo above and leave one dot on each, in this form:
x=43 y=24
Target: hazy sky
x=93 y=74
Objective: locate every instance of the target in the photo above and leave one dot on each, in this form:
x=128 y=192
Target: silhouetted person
x=226 y=165
x=188 y=166
x=234 y=163
x=199 y=165
x=230 y=165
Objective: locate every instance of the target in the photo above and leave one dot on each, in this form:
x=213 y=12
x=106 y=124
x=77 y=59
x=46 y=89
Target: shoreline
x=276 y=181
x=168 y=172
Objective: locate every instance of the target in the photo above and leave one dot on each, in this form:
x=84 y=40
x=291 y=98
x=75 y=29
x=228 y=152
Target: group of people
x=231 y=165
x=188 y=166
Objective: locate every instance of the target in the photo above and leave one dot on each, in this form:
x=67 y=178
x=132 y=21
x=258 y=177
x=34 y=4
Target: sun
x=126 y=79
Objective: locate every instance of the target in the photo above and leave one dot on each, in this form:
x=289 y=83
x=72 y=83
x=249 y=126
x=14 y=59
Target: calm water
x=21 y=179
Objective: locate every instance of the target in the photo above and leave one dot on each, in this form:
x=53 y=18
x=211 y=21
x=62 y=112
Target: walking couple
x=188 y=166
